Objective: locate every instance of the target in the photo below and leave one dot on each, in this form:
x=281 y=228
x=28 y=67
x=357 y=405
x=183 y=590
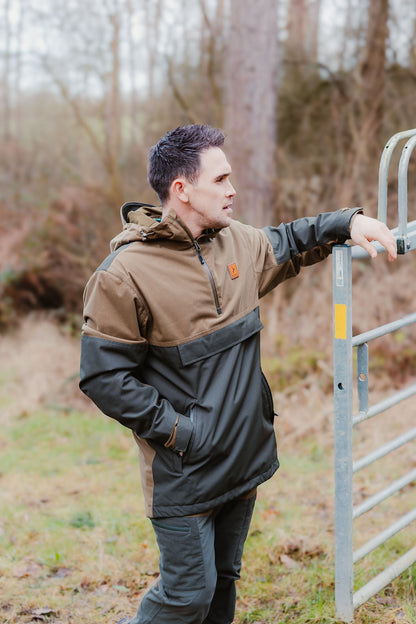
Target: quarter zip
x=204 y=264
x=210 y=276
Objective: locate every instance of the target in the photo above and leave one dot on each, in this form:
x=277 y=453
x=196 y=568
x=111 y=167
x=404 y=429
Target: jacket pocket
x=167 y=460
x=267 y=399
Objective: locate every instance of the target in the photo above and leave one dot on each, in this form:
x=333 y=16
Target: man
x=170 y=348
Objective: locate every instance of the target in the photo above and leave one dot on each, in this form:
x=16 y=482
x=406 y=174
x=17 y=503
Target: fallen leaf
x=61 y=572
x=42 y=614
x=43 y=611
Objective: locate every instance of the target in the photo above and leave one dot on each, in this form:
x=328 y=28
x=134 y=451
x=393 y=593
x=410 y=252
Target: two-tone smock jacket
x=171 y=348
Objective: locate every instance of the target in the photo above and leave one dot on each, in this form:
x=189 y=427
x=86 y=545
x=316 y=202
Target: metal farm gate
x=346 y=600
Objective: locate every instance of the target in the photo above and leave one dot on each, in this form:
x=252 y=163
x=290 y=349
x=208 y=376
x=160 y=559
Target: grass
x=75 y=545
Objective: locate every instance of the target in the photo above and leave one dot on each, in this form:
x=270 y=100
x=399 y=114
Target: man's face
x=211 y=196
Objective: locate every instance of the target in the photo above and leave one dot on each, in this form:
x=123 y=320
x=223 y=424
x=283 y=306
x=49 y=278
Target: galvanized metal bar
x=402 y=192
x=410 y=241
x=385 y=404
x=343 y=405
x=362 y=377
x=383 y=536
x=384 y=170
x=374 y=500
x=377 y=332
x=384 y=578
x=381 y=451
x=345 y=599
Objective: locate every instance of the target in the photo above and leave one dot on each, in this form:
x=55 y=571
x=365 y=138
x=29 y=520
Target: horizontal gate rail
x=409 y=319
x=384 y=450
x=384 y=578
x=374 y=500
x=385 y=404
x=383 y=536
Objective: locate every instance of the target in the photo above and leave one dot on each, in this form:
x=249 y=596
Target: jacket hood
x=143 y=222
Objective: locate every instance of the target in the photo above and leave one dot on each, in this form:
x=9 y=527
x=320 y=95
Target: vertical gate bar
x=343 y=410
x=383 y=179
x=384 y=170
x=362 y=377
x=402 y=192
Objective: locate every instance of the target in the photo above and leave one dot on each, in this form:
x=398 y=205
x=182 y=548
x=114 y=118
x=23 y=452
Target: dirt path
x=39 y=364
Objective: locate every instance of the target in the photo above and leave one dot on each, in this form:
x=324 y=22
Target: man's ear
x=179 y=189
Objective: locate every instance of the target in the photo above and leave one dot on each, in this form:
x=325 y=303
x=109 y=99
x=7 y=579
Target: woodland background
x=308 y=92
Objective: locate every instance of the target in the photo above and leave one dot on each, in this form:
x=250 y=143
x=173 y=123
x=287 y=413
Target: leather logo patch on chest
x=233 y=270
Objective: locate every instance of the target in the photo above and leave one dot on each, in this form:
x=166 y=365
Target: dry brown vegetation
x=69 y=156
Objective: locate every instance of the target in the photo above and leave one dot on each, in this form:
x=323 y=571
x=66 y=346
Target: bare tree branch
x=193 y=117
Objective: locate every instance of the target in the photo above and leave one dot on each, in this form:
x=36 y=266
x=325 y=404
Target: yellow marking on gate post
x=340 y=321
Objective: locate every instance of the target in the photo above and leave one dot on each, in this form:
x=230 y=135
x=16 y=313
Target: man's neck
x=183 y=215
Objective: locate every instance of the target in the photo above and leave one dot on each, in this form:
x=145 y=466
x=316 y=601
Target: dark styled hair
x=178 y=154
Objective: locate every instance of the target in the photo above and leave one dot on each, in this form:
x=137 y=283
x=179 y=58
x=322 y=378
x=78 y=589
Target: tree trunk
x=297 y=28
x=312 y=38
x=366 y=112
x=250 y=106
x=113 y=115
x=372 y=76
x=212 y=53
x=153 y=17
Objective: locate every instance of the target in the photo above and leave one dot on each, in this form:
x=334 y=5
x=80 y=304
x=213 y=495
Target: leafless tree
x=250 y=104
x=301 y=45
x=366 y=108
x=212 y=52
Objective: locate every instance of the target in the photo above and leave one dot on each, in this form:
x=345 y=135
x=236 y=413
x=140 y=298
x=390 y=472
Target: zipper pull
x=198 y=251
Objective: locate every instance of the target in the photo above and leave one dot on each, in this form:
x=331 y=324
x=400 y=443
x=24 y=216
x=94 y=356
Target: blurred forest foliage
x=308 y=92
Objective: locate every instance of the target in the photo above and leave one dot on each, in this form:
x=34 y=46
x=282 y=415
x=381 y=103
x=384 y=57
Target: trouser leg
x=232 y=522
x=187 y=572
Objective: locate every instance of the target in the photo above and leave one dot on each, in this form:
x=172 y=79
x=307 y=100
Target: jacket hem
x=169 y=511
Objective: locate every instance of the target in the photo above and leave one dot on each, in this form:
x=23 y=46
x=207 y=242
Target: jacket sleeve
x=290 y=246
x=112 y=353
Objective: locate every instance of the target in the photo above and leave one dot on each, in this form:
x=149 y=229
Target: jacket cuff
x=349 y=213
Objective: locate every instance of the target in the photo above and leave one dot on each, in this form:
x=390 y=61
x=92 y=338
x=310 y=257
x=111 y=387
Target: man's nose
x=231 y=190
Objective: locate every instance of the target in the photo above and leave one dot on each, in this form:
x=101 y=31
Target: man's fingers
x=370 y=249
x=391 y=247
x=365 y=229
x=388 y=241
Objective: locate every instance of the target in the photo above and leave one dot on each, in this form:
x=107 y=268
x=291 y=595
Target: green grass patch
x=74 y=541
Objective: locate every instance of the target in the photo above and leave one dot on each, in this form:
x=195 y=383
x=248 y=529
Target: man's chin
x=228 y=215
x=223 y=222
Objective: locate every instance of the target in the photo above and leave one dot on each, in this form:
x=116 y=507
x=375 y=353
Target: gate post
x=343 y=412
